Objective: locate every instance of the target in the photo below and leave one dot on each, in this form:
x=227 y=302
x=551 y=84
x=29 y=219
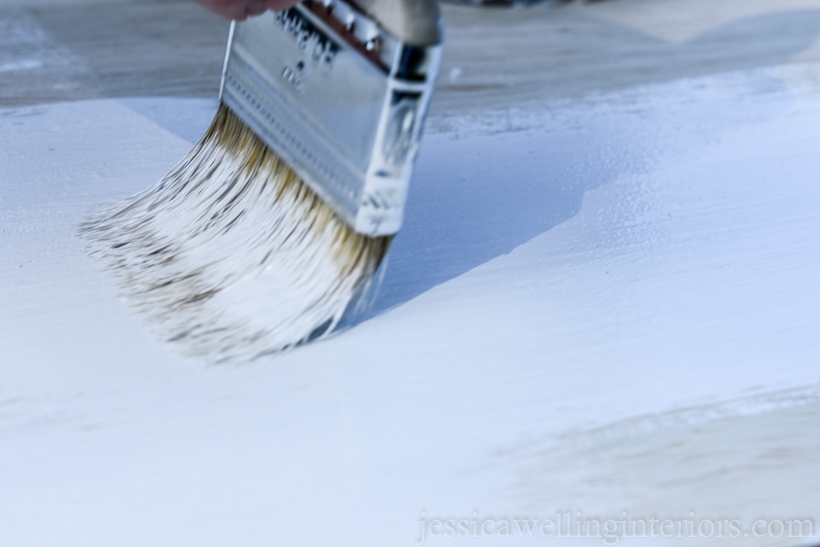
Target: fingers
x=229 y=9
x=256 y=7
x=279 y=5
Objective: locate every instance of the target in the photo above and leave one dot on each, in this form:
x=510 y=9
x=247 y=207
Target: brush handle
x=414 y=22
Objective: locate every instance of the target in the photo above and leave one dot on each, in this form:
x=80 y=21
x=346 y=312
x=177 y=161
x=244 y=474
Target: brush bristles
x=231 y=255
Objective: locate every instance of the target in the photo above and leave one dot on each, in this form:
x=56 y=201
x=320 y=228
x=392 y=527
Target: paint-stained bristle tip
x=230 y=255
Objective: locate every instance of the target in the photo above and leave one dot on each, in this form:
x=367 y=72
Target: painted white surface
x=635 y=266
x=678 y=21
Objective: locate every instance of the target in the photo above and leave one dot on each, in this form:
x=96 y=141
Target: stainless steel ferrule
x=340 y=98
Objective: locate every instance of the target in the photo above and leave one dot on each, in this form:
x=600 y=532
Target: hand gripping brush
x=276 y=223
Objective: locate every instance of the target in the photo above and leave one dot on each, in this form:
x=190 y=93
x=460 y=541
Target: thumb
x=279 y=5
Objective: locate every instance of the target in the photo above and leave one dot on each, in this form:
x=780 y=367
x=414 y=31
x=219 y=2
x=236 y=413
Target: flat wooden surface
x=495 y=58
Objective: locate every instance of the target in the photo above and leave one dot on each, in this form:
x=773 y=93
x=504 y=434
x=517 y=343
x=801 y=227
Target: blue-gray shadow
x=474 y=199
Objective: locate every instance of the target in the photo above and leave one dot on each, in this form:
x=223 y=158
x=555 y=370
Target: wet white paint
x=27 y=64
x=647 y=258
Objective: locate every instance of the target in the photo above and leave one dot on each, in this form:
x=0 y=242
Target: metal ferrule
x=340 y=99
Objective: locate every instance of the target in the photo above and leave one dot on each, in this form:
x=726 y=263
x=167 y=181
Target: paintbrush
x=275 y=225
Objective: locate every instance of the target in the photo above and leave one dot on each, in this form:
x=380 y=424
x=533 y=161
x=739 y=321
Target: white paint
x=26 y=64
x=647 y=258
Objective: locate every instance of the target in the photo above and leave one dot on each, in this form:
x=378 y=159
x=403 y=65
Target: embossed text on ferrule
x=311 y=40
